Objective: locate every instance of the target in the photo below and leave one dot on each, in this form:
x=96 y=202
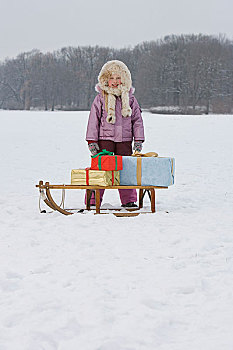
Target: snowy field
x=160 y=281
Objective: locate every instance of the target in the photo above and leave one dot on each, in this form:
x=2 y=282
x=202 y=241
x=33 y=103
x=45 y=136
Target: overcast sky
x=49 y=25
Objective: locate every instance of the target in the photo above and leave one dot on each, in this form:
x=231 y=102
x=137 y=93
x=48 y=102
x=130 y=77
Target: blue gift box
x=153 y=171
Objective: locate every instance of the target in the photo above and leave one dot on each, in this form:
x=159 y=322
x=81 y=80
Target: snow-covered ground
x=160 y=281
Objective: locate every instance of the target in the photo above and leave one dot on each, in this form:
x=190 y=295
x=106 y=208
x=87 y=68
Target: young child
x=115 y=120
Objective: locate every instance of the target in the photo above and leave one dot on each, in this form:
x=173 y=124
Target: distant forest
x=188 y=73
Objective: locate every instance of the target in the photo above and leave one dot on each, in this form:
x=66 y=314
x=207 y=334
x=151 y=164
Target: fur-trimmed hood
x=131 y=90
x=114 y=67
x=123 y=90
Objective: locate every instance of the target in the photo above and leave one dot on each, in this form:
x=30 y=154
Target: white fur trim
x=111 y=109
x=126 y=110
x=111 y=119
x=97 y=87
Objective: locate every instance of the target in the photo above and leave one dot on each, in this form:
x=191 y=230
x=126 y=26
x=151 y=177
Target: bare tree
x=182 y=71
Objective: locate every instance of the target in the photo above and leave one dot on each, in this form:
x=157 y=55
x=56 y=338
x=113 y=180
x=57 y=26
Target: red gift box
x=106 y=161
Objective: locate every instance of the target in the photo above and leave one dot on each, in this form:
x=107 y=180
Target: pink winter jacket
x=125 y=128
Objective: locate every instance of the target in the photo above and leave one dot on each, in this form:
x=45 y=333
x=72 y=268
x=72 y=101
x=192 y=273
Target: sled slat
x=119 y=215
x=82 y=187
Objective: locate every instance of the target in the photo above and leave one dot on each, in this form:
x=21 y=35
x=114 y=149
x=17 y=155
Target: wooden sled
x=46 y=195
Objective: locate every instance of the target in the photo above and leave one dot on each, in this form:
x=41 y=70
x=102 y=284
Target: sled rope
x=62 y=199
x=42 y=196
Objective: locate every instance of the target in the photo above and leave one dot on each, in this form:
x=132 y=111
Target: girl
x=115 y=120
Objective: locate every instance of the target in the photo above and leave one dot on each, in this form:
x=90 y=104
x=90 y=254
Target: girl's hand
x=93 y=148
x=137 y=146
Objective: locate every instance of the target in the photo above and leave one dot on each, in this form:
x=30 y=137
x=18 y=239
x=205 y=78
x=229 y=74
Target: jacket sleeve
x=137 y=122
x=93 y=125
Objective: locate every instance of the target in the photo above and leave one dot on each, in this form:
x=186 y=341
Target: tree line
x=190 y=72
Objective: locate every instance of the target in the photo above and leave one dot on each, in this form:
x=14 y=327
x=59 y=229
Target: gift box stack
x=104 y=171
x=108 y=169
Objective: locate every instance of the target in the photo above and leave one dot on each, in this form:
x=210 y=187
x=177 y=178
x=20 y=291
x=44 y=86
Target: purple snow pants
x=121 y=149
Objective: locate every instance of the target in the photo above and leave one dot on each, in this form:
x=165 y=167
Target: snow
x=158 y=281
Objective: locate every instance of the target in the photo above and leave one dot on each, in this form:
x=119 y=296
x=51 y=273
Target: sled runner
x=45 y=194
